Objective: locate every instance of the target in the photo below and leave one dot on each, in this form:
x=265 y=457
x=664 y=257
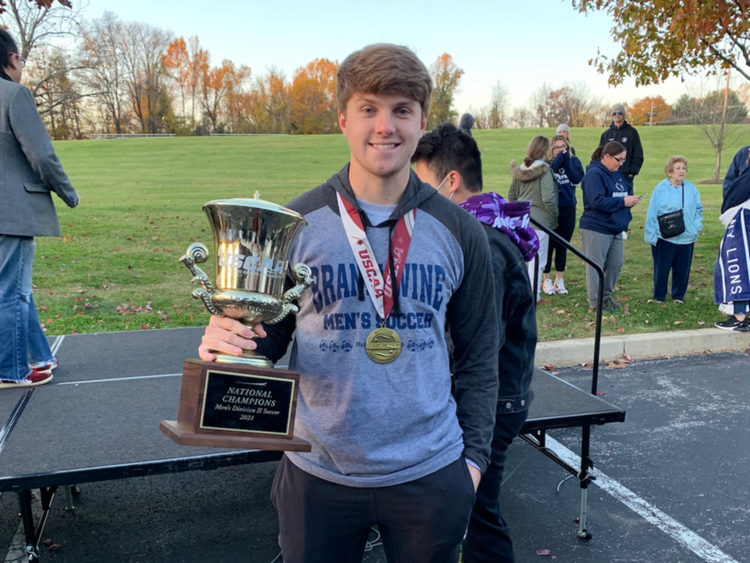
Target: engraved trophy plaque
x=243 y=402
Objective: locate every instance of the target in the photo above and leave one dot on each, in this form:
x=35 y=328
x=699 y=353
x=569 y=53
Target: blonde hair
x=559 y=138
x=537 y=149
x=672 y=160
x=383 y=68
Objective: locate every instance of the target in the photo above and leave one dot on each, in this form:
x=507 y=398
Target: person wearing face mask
x=607 y=200
x=449 y=158
x=533 y=181
x=673 y=221
x=622 y=132
x=568 y=172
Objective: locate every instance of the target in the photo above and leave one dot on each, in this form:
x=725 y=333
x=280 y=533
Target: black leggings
x=566 y=224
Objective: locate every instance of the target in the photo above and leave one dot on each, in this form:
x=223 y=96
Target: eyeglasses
x=617 y=113
x=620 y=160
x=20 y=58
x=559 y=147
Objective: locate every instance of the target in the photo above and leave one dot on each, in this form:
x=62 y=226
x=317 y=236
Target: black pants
x=488 y=540
x=676 y=258
x=566 y=224
x=422 y=521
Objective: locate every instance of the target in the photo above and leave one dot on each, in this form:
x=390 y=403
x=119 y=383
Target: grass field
x=115 y=265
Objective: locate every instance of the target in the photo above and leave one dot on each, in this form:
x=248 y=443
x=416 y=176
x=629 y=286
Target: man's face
x=382 y=131
x=618 y=116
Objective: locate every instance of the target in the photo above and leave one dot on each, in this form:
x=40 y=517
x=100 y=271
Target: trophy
x=243 y=402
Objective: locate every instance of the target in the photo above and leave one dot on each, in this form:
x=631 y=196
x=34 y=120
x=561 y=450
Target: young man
x=390 y=445
x=450 y=160
x=736 y=167
x=30 y=172
x=627 y=135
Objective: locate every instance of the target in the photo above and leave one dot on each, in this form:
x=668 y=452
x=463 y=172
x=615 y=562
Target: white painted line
x=17 y=550
x=56 y=344
x=646 y=510
x=116 y=379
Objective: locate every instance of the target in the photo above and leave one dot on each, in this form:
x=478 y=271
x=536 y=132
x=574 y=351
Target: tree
x=649 y=111
x=212 y=88
x=684 y=109
x=717 y=111
x=237 y=98
x=38 y=3
x=313 y=98
x=446 y=76
x=269 y=103
x=101 y=49
x=539 y=105
x=522 y=118
x=35 y=25
x=499 y=108
x=143 y=48
x=663 y=38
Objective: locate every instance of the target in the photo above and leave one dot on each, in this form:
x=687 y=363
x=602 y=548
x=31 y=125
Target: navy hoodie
x=604 y=192
x=568 y=172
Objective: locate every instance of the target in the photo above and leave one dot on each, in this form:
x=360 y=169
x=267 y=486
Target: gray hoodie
x=373 y=425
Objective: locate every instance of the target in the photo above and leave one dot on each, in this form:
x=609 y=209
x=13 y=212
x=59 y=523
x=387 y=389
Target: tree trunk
x=717 y=170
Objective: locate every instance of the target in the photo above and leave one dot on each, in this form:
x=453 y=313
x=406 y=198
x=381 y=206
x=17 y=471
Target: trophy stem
x=248 y=358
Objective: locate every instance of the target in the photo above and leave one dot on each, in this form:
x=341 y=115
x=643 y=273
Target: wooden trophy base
x=236 y=406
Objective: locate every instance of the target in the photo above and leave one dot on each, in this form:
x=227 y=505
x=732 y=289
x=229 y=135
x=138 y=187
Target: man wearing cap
x=625 y=134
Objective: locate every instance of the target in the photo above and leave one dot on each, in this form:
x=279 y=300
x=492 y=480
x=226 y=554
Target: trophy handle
x=303 y=275
x=197 y=253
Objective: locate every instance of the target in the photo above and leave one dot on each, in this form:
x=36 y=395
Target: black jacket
x=516 y=313
x=738 y=192
x=627 y=135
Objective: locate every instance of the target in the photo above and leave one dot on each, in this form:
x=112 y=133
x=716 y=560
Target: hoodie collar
x=416 y=192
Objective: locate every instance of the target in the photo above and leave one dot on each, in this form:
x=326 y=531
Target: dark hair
x=7 y=46
x=384 y=69
x=447 y=148
x=612 y=148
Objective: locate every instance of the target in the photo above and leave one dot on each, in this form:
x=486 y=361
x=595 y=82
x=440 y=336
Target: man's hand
x=476 y=476
x=228 y=336
x=631 y=200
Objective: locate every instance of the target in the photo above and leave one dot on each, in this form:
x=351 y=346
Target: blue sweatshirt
x=604 y=192
x=666 y=199
x=568 y=172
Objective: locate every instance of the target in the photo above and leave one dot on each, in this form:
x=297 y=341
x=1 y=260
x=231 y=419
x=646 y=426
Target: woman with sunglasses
x=607 y=199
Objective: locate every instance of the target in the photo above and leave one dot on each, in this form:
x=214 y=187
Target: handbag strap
x=683 y=195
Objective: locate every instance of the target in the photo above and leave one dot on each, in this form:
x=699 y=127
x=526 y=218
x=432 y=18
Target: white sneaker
x=727 y=309
x=548 y=287
x=560 y=286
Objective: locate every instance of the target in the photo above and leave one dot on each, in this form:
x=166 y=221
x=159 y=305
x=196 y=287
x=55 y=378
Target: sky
x=521 y=43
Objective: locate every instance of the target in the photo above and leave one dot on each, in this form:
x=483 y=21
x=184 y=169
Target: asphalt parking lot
x=672 y=487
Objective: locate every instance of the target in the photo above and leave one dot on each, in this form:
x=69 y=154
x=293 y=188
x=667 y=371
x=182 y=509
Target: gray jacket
x=29 y=168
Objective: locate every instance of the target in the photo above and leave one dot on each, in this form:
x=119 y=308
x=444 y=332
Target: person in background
x=466 y=123
x=449 y=159
x=564 y=130
x=732 y=272
x=568 y=172
x=622 y=132
x=673 y=254
x=607 y=200
x=533 y=181
x=736 y=167
x=29 y=173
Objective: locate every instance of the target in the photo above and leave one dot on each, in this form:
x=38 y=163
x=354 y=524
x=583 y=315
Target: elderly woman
x=673 y=221
x=533 y=181
x=607 y=199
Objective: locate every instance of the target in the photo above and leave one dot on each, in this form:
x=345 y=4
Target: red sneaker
x=32 y=380
x=44 y=366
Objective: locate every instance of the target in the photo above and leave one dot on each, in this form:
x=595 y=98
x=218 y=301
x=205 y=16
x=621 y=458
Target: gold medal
x=383 y=345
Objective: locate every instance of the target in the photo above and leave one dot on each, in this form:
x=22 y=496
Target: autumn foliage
x=650 y=110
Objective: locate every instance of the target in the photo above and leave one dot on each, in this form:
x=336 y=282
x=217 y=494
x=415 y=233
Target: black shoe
x=605 y=309
x=733 y=324
x=612 y=303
